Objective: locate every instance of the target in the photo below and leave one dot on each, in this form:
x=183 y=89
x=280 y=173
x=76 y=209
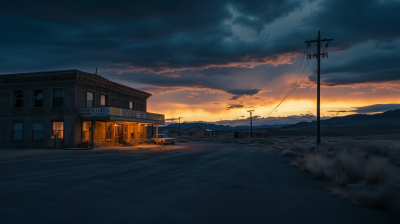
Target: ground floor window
x=17 y=132
x=58 y=129
x=37 y=130
x=109 y=131
x=86 y=131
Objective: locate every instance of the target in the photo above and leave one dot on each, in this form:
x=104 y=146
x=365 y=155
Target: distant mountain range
x=391 y=117
x=216 y=127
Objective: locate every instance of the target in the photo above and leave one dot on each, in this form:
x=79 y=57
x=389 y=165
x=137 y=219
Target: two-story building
x=71 y=108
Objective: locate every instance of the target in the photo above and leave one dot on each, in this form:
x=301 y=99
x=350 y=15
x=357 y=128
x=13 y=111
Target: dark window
x=131 y=107
x=37 y=130
x=89 y=99
x=18 y=98
x=58 y=97
x=17 y=131
x=38 y=98
x=109 y=131
x=103 y=100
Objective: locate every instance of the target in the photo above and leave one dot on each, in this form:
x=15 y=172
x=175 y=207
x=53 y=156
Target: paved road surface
x=186 y=183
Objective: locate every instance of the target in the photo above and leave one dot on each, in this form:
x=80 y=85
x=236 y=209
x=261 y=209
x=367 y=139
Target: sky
x=215 y=60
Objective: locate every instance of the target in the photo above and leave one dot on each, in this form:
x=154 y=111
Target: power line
x=329 y=15
x=291 y=91
x=338 y=18
x=299 y=68
x=305 y=52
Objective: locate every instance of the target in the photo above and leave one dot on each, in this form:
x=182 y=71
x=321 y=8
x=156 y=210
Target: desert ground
x=193 y=182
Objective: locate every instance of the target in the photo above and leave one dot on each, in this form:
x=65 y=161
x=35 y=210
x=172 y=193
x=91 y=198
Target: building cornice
x=77 y=75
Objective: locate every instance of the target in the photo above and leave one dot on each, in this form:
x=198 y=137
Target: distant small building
x=248 y=134
x=199 y=131
x=194 y=131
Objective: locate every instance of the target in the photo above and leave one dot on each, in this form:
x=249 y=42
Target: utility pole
x=251 y=123
x=318 y=42
x=179 y=132
x=205 y=128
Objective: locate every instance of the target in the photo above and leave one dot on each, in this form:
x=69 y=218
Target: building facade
x=71 y=108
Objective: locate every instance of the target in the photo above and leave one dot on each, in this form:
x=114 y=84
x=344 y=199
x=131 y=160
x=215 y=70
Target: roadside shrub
x=288 y=152
x=318 y=165
x=351 y=166
x=377 y=170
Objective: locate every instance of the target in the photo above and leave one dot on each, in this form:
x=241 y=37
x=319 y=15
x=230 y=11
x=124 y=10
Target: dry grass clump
x=288 y=152
x=358 y=171
x=377 y=170
x=299 y=150
x=343 y=169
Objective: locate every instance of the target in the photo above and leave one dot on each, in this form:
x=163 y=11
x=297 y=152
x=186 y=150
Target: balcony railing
x=119 y=112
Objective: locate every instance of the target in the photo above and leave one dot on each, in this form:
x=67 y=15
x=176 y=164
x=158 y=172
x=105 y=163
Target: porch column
x=92 y=134
x=157 y=133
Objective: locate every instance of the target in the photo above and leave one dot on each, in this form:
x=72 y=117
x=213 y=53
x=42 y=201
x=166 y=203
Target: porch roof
x=119 y=114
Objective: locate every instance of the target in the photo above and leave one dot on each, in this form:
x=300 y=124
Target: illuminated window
x=58 y=97
x=38 y=98
x=89 y=99
x=18 y=99
x=86 y=132
x=58 y=129
x=131 y=105
x=17 y=131
x=37 y=130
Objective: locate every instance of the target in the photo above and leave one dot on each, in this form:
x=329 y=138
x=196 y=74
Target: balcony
x=119 y=114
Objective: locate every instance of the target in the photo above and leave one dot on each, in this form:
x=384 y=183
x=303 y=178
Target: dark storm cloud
x=234 y=106
x=380 y=65
x=242 y=92
x=370 y=109
x=377 y=108
x=173 y=36
x=152 y=35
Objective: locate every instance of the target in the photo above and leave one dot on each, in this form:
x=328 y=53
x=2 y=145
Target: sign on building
x=100 y=111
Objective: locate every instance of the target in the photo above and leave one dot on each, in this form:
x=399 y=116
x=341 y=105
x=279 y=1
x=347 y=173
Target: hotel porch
x=107 y=126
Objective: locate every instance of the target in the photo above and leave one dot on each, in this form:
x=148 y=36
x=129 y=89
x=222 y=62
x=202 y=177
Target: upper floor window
x=38 y=98
x=18 y=98
x=131 y=105
x=58 y=97
x=89 y=99
x=37 y=130
x=17 y=130
x=103 y=100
